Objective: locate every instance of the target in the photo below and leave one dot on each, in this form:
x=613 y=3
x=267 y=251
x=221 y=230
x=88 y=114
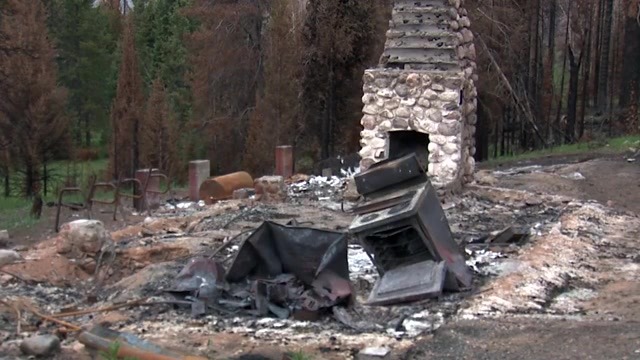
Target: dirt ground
x=609 y=179
x=532 y=339
x=610 y=325
x=606 y=326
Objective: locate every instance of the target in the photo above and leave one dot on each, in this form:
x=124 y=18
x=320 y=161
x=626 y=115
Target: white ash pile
x=319 y=188
x=173 y=206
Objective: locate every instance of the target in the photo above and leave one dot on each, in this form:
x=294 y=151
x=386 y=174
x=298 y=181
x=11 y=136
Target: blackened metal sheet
x=409 y=283
x=275 y=249
x=435 y=225
x=388 y=173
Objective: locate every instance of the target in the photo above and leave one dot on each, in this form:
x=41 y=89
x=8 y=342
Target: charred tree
x=158 y=133
x=631 y=65
x=549 y=67
x=339 y=37
x=226 y=57
x=31 y=103
x=276 y=119
x=572 y=101
x=605 y=54
x=126 y=111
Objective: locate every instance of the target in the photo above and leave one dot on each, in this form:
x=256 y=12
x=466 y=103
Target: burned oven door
x=405 y=262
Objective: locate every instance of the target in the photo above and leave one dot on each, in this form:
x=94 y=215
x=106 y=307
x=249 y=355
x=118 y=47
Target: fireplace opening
x=402 y=143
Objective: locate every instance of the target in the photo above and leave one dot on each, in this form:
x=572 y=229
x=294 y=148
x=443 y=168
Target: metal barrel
x=222 y=187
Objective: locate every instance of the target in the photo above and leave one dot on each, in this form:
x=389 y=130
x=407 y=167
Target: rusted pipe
x=92 y=200
x=151 y=193
x=126 y=350
x=61 y=204
x=222 y=187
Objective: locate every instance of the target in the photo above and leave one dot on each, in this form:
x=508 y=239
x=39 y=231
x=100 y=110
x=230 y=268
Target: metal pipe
x=126 y=350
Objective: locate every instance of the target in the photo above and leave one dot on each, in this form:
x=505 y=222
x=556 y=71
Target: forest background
x=108 y=86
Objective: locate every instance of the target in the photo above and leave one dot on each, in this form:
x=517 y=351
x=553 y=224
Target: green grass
x=614 y=145
x=15 y=210
x=82 y=171
x=14 y=213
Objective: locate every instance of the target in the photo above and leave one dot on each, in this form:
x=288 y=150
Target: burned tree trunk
x=586 y=72
x=549 y=66
x=564 y=69
x=572 y=102
x=631 y=65
x=603 y=75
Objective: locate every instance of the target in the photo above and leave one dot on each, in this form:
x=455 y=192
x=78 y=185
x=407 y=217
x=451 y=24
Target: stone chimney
x=422 y=97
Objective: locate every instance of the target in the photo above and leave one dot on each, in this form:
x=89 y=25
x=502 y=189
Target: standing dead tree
x=31 y=103
x=158 y=133
x=127 y=110
x=226 y=58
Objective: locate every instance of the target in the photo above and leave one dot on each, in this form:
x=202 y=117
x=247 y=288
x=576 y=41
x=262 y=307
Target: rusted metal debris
x=403 y=228
x=129 y=346
x=141 y=193
x=222 y=187
x=284 y=271
x=412 y=282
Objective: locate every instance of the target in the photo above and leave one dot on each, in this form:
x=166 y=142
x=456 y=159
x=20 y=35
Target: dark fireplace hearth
x=402 y=143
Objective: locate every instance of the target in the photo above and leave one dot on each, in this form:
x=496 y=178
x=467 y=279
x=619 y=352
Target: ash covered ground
x=574 y=248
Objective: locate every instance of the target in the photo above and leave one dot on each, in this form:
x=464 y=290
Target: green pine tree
x=86 y=52
x=160 y=28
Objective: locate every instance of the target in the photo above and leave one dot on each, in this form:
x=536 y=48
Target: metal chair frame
x=90 y=199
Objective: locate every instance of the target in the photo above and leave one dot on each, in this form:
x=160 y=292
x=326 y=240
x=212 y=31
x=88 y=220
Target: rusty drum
x=222 y=187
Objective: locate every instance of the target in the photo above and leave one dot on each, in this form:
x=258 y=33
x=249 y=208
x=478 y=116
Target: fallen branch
x=70 y=326
x=134 y=303
x=140 y=302
x=126 y=350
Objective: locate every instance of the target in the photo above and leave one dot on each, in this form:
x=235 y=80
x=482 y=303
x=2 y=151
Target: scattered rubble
x=374 y=353
x=510 y=239
x=317 y=188
x=271 y=189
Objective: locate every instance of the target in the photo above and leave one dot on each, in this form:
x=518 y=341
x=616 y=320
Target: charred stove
x=403 y=229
